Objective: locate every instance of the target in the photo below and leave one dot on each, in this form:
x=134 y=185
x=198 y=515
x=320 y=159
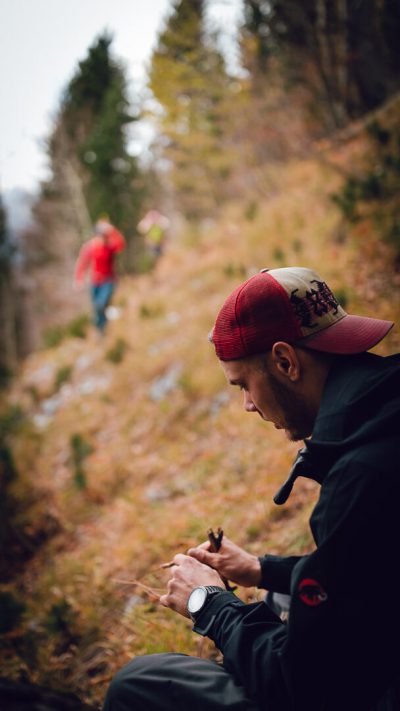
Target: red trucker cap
x=295 y=305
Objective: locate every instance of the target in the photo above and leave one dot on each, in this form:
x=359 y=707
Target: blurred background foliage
x=115 y=456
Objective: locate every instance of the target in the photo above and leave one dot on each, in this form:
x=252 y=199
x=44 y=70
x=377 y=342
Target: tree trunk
x=341 y=59
x=8 y=345
x=78 y=202
x=326 y=62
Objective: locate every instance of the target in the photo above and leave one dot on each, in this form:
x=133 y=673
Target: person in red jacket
x=97 y=256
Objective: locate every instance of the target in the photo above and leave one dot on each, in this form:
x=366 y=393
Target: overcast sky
x=41 y=42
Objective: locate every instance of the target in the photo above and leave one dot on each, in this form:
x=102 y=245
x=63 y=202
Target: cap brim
x=350 y=335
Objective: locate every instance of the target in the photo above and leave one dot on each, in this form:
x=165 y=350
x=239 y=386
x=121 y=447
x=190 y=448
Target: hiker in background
x=153 y=227
x=302 y=364
x=97 y=256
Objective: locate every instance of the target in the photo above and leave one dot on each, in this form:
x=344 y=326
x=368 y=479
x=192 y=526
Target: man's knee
x=121 y=686
x=135 y=685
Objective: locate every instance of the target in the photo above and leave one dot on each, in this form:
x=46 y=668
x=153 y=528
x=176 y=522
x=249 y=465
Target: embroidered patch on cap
x=312 y=301
x=311 y=592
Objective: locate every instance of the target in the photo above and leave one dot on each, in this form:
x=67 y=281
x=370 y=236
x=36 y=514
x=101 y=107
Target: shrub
x=77 y=328
x=116 y=353
x=151 y=310
x=80 y=449
x=53 y=336
x=278 y=256
x=144 y=263
x=8 y=473
x=60 y=617
x=373 y=191
x=234 y=270
x=297 y=246
x=62 y=376
x=11 y=610
x=5 y=376
x=251 y=210
x=10 y=421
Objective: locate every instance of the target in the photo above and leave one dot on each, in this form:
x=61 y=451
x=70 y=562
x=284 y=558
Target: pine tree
x=91 y=172
x=88 y=149
x=255 y=39
x=8 y=342
x=188 y=79
x=344 y=51
x=269 y=121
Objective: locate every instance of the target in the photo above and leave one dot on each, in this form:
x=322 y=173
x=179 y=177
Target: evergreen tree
x=269 y=120
x=188 y=79
x=344 y=51
x=89 y=146
x=5 y=250
x=256 y=42
x=8 y=344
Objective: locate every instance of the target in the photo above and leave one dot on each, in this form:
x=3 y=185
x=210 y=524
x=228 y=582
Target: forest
x=118 y=452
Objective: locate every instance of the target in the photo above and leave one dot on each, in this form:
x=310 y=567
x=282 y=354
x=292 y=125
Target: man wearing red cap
x=302 y=363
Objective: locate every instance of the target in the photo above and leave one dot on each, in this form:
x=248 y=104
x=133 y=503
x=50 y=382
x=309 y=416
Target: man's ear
x=286 y=361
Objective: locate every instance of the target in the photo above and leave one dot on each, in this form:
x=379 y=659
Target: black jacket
x=340 y=648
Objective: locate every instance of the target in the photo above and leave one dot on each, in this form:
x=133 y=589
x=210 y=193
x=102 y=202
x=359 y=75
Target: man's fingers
x=205 y=545
x=202 y=555
x=199 y=553
x=179 y=558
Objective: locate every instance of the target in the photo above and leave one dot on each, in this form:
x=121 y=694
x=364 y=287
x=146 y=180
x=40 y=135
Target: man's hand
x=187 y=574
x=232 y=562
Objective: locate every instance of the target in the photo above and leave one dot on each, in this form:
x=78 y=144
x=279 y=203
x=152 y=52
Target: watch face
x=196 y=600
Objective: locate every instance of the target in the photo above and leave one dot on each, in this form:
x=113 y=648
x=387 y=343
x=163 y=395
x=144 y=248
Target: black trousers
x=175 y=682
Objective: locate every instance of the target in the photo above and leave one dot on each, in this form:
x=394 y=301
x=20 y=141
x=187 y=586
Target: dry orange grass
x=161 y=471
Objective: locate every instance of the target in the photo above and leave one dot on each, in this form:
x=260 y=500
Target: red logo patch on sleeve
x=311 y=592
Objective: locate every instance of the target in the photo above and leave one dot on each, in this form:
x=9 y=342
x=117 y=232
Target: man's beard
x=298 y=417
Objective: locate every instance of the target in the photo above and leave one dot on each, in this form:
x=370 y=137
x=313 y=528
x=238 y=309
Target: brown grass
x=163 y=471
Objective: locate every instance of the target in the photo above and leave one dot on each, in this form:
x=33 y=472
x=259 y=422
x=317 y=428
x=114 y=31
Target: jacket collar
x=345 y=417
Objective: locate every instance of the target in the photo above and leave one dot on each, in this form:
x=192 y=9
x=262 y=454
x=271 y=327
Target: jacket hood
x=361 y=399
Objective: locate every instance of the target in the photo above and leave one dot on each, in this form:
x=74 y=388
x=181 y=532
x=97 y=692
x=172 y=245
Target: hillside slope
x=136 y=445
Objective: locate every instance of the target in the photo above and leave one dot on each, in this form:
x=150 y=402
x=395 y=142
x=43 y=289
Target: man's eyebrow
x=235 y=381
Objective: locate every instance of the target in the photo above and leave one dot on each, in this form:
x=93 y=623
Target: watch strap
x=211 y=591
x=208 y=614
x=214 y=589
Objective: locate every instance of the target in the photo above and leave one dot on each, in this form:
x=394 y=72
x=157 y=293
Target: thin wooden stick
x=215 y=540
x=215 y=545
x=136 y=583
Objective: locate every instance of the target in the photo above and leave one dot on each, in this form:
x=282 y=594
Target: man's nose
x=248 y=403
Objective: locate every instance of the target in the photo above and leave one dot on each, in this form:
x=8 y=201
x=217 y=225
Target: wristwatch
x=199 y=597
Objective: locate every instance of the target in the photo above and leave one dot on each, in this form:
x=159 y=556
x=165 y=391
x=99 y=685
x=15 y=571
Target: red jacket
x=98 y=254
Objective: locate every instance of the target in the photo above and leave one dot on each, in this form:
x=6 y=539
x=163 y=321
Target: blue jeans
x=101 y=296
